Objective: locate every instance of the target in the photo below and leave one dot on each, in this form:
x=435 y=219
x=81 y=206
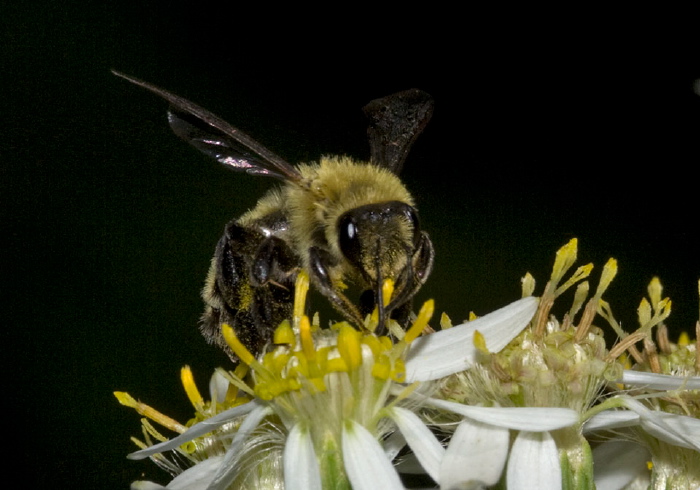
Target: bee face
x=379 y=239
x=339 y=220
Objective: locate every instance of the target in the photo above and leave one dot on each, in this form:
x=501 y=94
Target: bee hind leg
x=274 y=262
x=250 y=286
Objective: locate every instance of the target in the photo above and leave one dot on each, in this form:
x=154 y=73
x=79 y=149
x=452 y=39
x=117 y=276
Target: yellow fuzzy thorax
x=333 y=186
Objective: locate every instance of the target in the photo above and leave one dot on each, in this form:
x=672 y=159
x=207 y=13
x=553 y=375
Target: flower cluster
x=522 y=397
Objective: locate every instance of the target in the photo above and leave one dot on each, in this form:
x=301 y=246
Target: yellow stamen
x=480 y=342
x=581 y=273
x=191 y=388
x=153 y=414
x=445 y=321
x=644 y=312
x=284 y=334
x=307 y=341
x=579 y=298
x=387 y=291
x=236 y=346
x=609 y=273
x=566 y=256
x=301 y=288
x=350 y=347
x=424 y=315
x=528 y=285
x=381 y=368
x=655 y=290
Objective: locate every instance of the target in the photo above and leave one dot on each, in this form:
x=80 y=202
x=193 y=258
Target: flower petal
x=534 y=463
x=197 y=477
x=618 y=463
x=420 y=439
x=534 y=419
x=611 y=419
x=477 y=454
x=146 y=485
x=678 y=430
x=451 y=351
x=301 y=470
x=365 y=462
x=218 y=386
x=660 y=381
x=227 y=469
x=196 y=430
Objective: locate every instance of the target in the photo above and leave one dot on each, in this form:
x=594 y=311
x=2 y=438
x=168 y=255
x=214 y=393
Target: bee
x=343 y=221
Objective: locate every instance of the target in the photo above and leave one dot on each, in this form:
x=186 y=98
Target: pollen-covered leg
x=247 y=288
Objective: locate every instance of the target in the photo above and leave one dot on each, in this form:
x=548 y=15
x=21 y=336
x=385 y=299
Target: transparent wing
x=218 y=139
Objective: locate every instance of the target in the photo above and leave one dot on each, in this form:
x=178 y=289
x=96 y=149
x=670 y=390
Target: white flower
x=337 y=393
x=478 y=450
x=450 y=351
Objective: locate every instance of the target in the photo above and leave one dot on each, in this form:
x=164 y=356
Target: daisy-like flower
x=328 y=408
x=662 y=402
x=554 y=367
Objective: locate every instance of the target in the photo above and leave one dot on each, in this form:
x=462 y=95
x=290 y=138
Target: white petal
x=301 y=471
x=420 y=439
x=218 y=386
x=660 y=381
x=678 y=430
x=146 y=485
x=196 y=430
x=534 y=463
x=477 y=453
x=227 y=469
x=365 y=462
x=611 y=419
x=533 y=419
x=451 y=351
x=197 y=477
x=618 y=463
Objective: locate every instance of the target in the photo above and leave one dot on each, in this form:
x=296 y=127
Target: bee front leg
x=412 y=279
x=320 y=261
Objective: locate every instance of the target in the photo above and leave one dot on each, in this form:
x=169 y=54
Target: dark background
x=548 y=125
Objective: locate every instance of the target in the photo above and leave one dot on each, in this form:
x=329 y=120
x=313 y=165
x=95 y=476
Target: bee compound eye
x=348 y=237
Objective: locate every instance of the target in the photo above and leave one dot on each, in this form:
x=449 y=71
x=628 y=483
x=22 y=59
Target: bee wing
x=218 y=139
x=395 y=122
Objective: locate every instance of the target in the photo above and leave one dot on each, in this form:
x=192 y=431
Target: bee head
x=379 y=239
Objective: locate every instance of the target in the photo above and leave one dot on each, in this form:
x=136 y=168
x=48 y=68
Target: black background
x=548 y=125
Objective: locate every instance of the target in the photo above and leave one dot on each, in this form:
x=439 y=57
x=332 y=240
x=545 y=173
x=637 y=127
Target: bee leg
x=274 y=262
x=235 y=295
x=423 y=259
x=413 y=277
x=320 y=261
